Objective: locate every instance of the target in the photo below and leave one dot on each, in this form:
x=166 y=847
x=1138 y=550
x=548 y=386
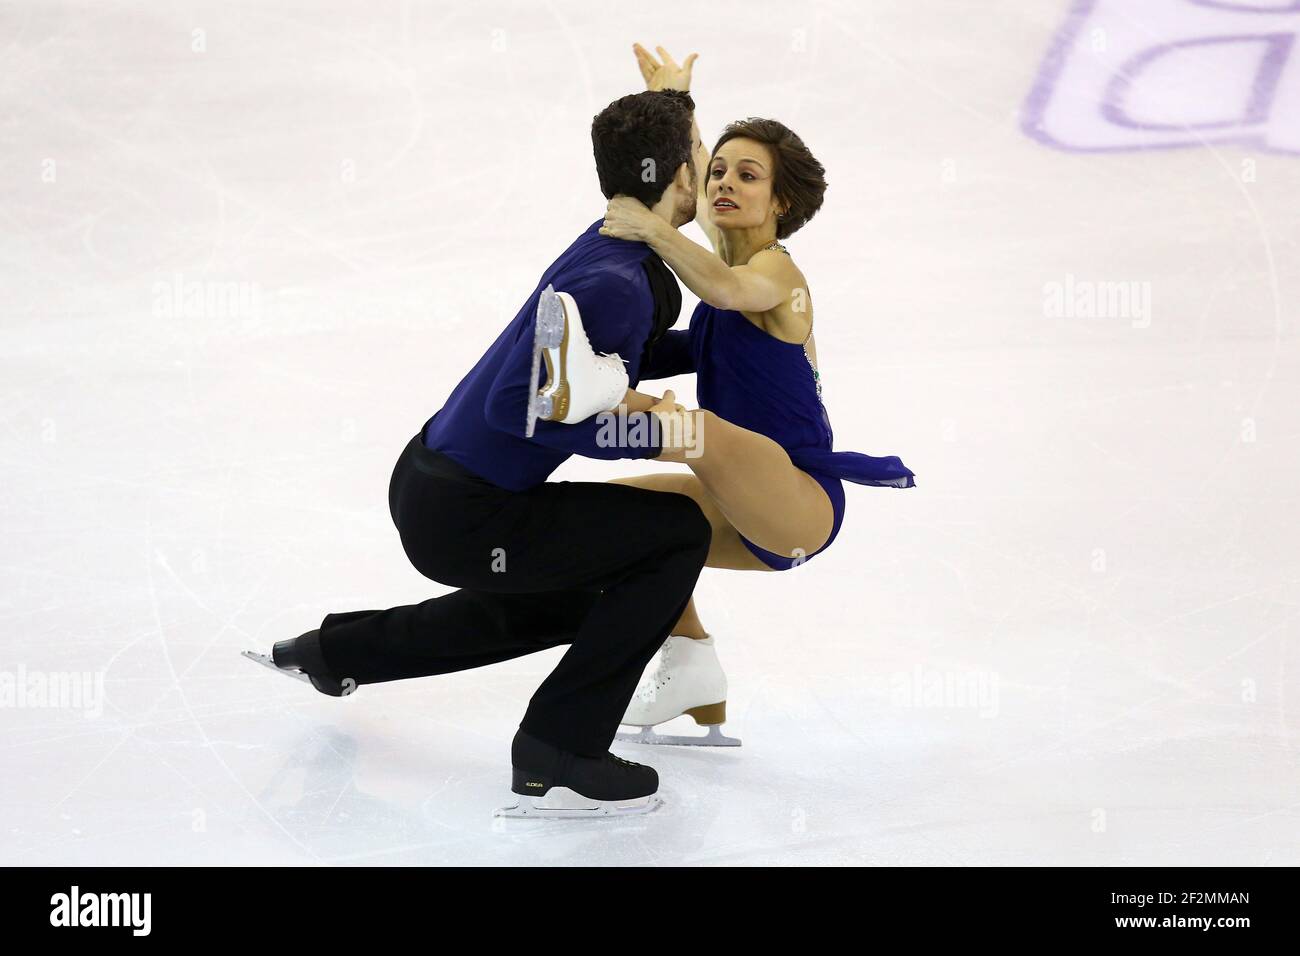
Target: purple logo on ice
x=1169 y=73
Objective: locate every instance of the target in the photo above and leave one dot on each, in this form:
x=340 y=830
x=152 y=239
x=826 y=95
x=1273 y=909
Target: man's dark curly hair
x=798 y=182
x=640 y=141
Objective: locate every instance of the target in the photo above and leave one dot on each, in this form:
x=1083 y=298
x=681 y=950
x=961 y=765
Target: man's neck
x=666 y=206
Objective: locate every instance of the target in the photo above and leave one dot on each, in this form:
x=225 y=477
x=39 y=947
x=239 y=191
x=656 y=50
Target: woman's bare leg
x=725 y=550
x=689 y=624
x=752 y=481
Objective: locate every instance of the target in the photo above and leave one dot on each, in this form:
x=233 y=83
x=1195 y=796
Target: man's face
x=684 y=211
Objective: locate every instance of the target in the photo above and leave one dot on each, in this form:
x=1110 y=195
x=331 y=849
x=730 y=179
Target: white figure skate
x=579 y=382
x=687 y=680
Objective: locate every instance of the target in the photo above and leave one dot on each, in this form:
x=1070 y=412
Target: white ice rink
x=246 y=249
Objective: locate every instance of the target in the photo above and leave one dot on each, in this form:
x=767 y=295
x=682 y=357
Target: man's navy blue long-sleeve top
x=621 y=297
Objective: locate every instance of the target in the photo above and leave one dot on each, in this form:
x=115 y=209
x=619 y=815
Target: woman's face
x=740 y=173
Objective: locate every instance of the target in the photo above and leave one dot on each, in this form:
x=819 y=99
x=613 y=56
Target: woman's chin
x=723 y=221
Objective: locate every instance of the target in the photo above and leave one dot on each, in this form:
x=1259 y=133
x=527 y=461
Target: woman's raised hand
x=665 y=75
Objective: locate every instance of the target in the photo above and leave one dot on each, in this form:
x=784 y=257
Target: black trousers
x=605 y=568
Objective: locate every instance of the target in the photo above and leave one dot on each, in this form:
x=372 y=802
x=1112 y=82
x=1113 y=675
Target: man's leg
x=579 y=706
x=457 y=631
x=607 y=568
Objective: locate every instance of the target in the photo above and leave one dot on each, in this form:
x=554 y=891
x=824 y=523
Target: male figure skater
x=605 y=568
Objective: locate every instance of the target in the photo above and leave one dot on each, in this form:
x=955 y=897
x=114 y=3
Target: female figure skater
x=762 y=466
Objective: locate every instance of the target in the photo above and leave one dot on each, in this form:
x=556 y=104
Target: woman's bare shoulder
x=791 y=320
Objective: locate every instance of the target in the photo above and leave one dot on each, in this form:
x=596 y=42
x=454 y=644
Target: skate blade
x=562 y=803
x=265 y=661
x=646 y=735
x=548 y=333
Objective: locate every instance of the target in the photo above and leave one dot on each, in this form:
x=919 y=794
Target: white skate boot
x=579 y=382
x=687 y=680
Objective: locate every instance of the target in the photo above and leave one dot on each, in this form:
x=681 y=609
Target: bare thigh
x=726 y=550
x=759 y=490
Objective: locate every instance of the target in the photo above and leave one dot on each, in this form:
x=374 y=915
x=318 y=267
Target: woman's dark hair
x=640 y=141
x=798 y=182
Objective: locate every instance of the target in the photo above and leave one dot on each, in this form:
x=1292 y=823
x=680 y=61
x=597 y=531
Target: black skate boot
x=550 y=782
x=300 y=657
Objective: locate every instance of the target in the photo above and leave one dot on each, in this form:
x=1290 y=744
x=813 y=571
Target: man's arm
x=609 y=312
x=671 y=355
x=605 y=436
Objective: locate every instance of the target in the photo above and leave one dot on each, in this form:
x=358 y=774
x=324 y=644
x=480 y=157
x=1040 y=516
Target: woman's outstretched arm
x=759 y=285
